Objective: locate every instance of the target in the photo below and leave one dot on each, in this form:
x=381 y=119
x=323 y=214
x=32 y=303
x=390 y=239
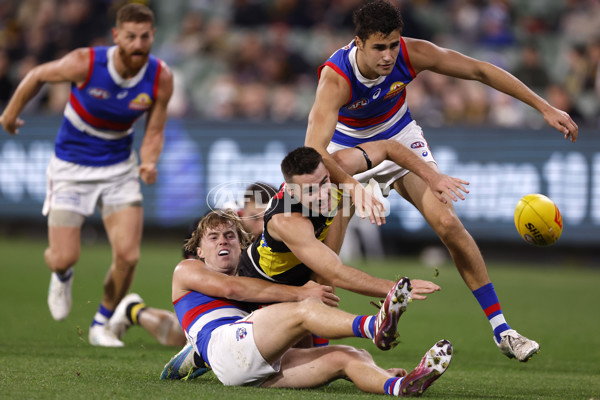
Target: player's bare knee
x=60 y=261
x=449 y=226
x=344 y=355
x=309 y=305
x=126 y=260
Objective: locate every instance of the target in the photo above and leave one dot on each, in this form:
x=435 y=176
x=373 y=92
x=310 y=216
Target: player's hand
x=443 y=185
x=561 y=121
x=148 y=173
x=322 y=292
x=11 y=125
x=420 y=288
x=367 y=205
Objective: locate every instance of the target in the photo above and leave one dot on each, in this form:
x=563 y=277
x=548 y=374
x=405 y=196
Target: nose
x=387 y=55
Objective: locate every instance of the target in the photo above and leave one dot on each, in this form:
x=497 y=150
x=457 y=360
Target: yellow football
x=538 y=220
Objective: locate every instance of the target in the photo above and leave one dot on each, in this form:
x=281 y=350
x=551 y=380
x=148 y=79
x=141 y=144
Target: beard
x=133 y=63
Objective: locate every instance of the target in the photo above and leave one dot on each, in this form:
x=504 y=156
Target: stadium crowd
x=258 y=59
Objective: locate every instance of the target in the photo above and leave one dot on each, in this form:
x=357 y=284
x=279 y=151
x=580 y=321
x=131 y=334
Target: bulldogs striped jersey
x=97 y=127
x=204 y=314
x=376 y=108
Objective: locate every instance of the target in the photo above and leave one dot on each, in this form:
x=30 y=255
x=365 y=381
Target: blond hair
x=212 y=220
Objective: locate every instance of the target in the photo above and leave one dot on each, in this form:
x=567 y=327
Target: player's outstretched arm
x=332 y=93
x=154 y=137
x=427 y=56
x=298 y=234
x=194 y=275
x=353 y=162
x=73 y=67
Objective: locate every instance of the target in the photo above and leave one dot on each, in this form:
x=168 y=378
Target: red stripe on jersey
x=368 y=122
x=407 y=58
x=492 y=309
x=193 y=313
x=155 y=89
x=279 y=194
x=341 y=73
x=90 y=69
x=95 y=121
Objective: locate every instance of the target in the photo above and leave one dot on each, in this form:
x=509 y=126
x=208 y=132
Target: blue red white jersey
x=200 y=314
x=376 y=108
x=97 y=127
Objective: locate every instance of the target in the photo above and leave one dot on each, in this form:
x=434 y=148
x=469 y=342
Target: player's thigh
x=64 y=243
x=417 y=192
x=277 y=327
x=124 y=228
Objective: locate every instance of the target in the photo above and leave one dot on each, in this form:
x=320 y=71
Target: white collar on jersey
x=119 y=80
x=365 y=81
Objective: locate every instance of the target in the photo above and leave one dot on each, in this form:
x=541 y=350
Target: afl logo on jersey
x=141 y=102
x=395 y=89
x=98 y=93
x=417 y=145
x=358 y=104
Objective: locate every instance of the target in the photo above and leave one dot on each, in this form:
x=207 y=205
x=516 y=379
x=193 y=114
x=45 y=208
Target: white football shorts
x=79 y=188
x=234 y=357
x=388 y=171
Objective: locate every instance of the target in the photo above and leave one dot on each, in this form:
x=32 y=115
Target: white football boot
x=119 y=322
x=59 y=296
x=514 y=345
x=100 y=335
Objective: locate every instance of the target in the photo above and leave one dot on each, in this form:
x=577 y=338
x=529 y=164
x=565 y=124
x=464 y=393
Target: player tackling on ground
x=93 y=163
x=244 y=348
x=361 y=97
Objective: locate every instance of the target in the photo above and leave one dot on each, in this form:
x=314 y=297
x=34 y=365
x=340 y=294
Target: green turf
x=44 y=359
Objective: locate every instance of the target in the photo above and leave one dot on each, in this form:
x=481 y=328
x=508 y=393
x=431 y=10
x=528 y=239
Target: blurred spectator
x=577 y=70
x=530 y=70
x=258 y=60
x=496 y=24
x=560 y=98
x=6 y=85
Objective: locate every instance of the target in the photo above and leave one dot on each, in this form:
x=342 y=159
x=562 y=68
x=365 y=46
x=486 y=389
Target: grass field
x=558 y=306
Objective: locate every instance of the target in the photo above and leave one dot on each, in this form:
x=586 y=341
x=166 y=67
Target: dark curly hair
x=377 y=16
x=303 y=160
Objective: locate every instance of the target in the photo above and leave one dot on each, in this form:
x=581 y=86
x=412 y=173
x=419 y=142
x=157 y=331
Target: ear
x=115 y=33
x=199 y=252
x=358 y=42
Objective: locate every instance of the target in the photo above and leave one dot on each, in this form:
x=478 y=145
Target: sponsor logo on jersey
x=358 y=104
x=425 y=153
x=417 y=145
x=376 y=95
x=122 y=94
x=240 y=333
x=98 y=93
x=395 y=89
x=141 y=102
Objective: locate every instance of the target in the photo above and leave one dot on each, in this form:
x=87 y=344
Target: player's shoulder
x=289 y=223
x=166 y=73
